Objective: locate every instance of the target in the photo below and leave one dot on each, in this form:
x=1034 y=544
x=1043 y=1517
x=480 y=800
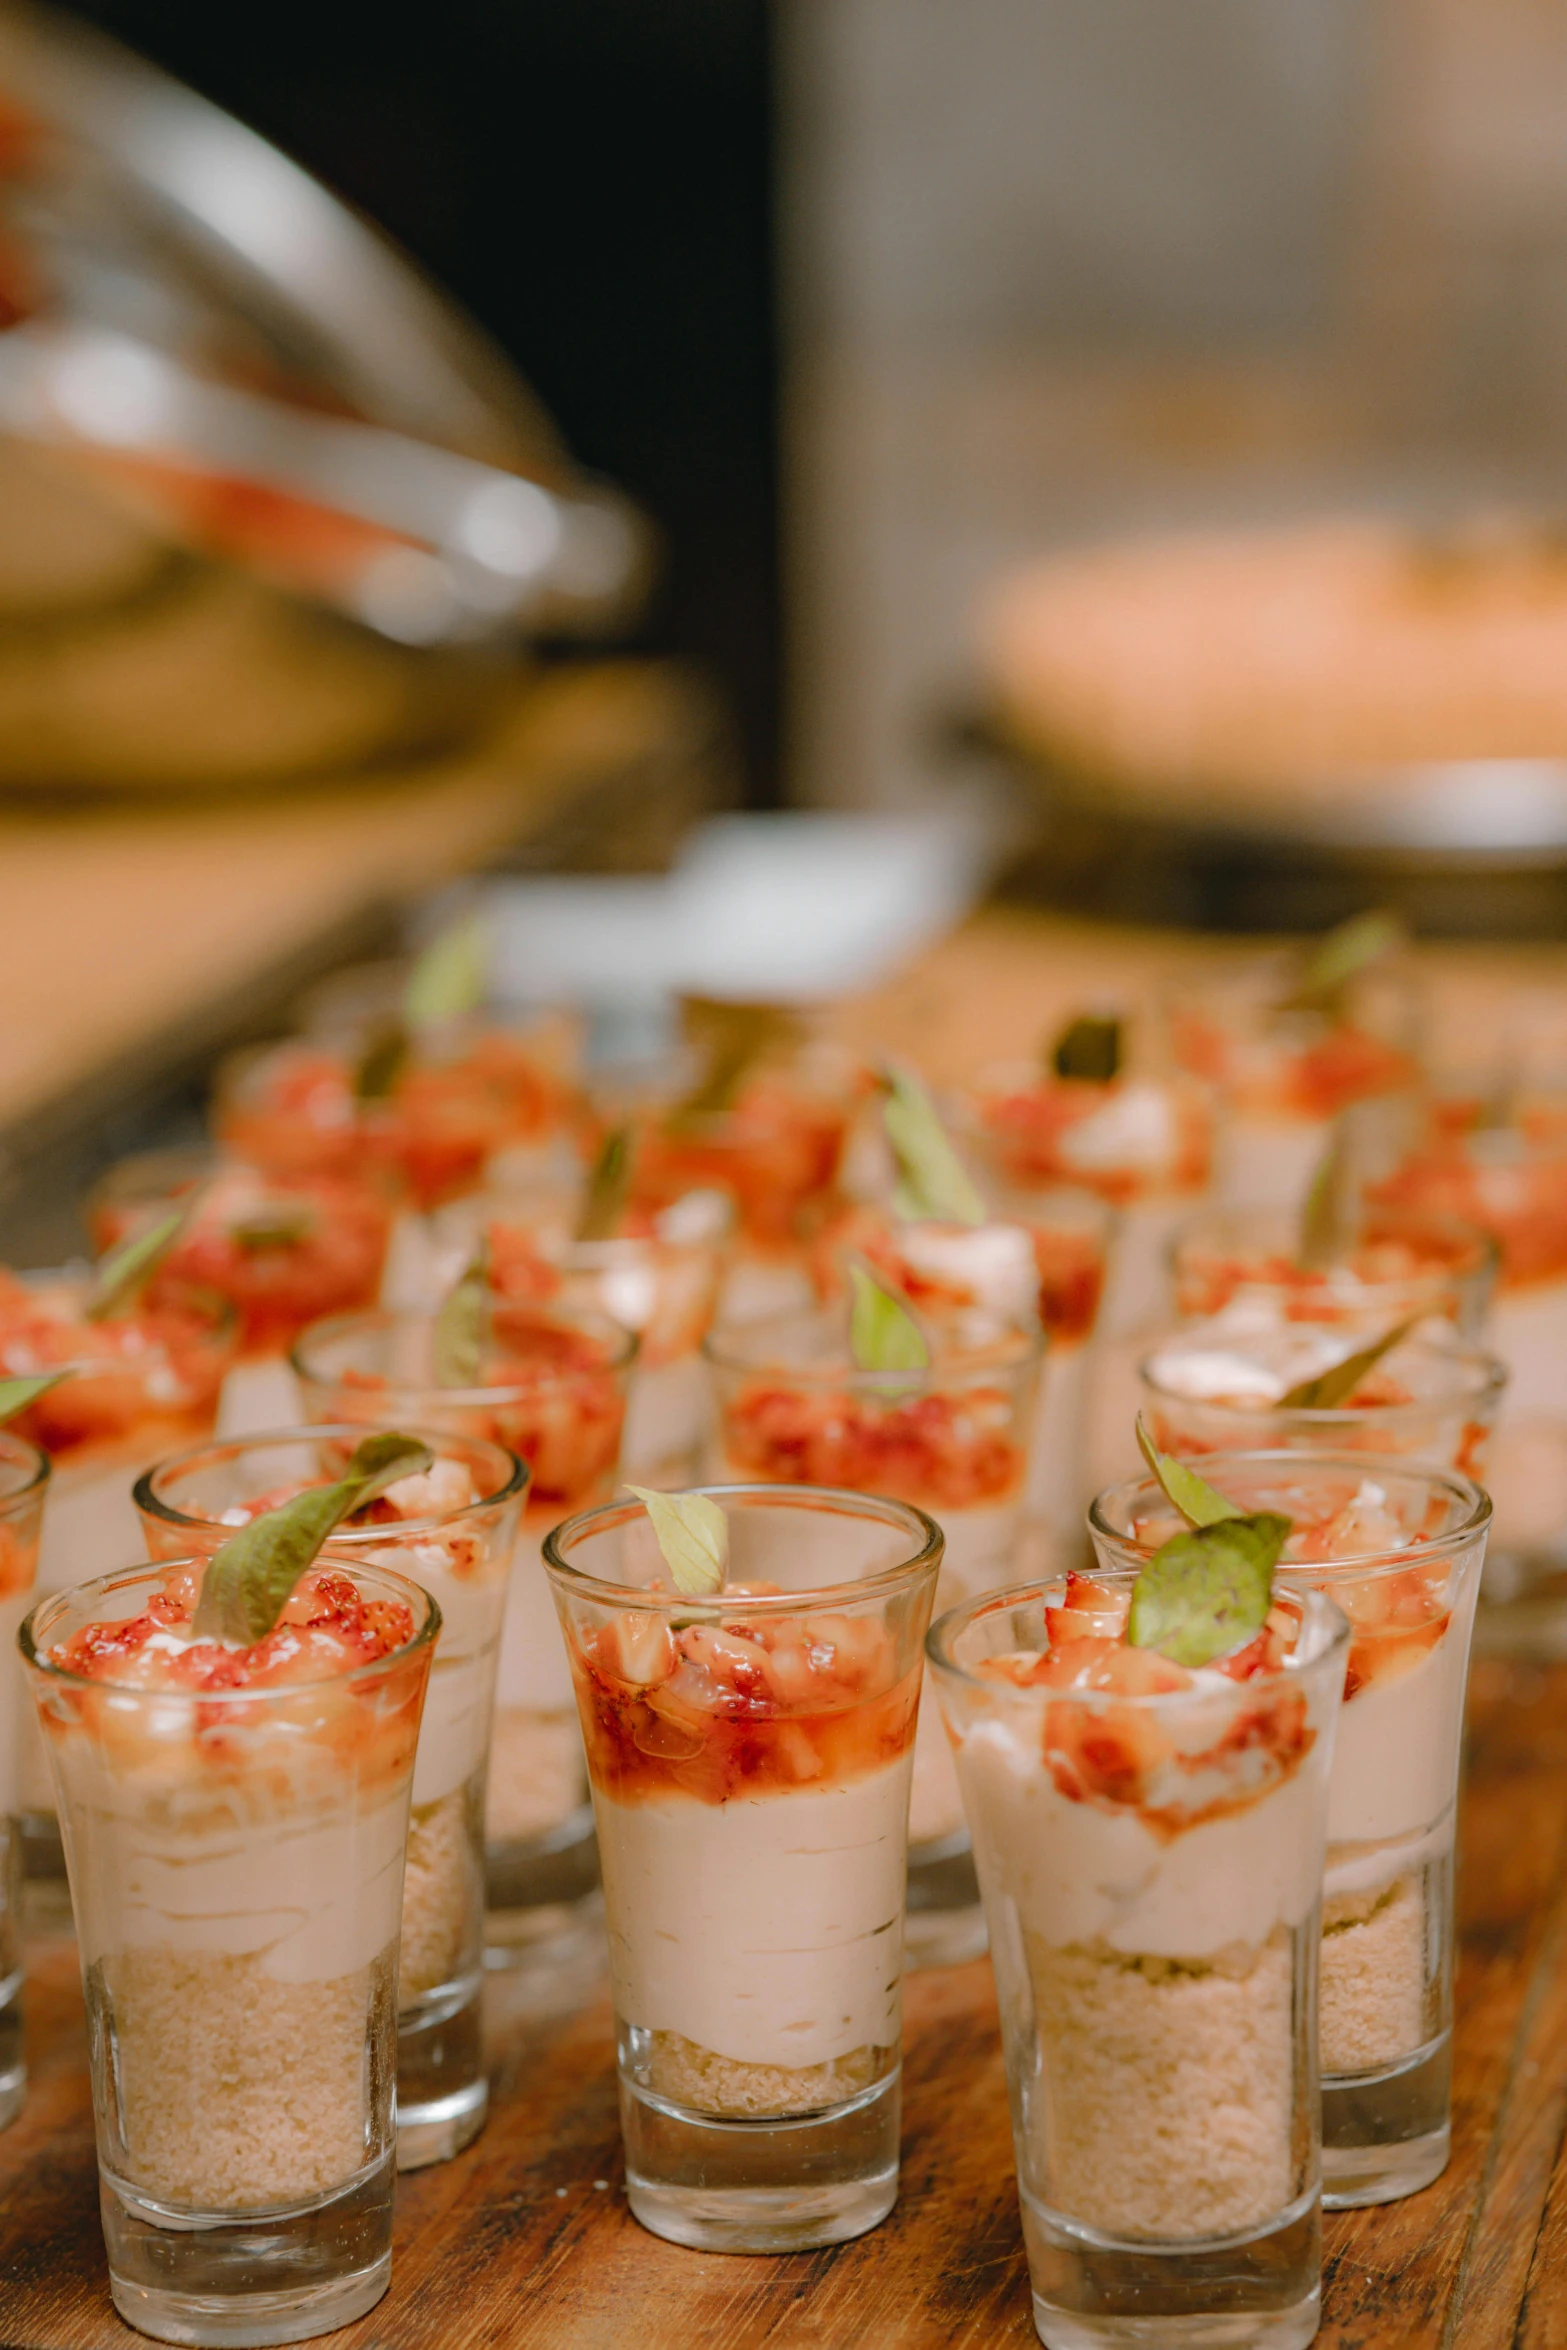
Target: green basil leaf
x=1338 y=1382
x=1340 y=957
x=119 y=1278
x=1089 y=1047
x=883 y=1334
x=451 y=977
x=1196 y=1501
x=693 y=1534
x=381 y=1062
x=605 y=1201
x=285 y=1225
x=734 y=1038
x=1323 y=1237
x=17 y=1394
x=1207 y=1591
x=462 y=1327
x=932 y=1180
x=248 y=1582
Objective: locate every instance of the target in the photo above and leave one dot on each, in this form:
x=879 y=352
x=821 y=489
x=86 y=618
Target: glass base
x=443 y=2096
x=944 y=1924
x=1386 y=2135
x=243 y=2278
x=13 y=2069
x=762 y=2186
x=536 y=1890
x=1258 y=2291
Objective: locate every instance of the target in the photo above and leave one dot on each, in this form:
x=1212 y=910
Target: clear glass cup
x=750 y=1760
x=1152 y=1868
x=1283 y=1073
x=236 y=1865
x=1142 y=1142
x=552 y=1389
x=453 y=1534
x=1206 y=1390
x=1400 y=1549
x=953 y=1440
x=662 y=1281
x=1043 y=1257
x=1400 y=1267
x=24 y=1480
x=142 y=1383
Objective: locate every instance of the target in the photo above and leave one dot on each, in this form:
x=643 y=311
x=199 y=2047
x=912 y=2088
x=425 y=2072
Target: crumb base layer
x=782 y=2185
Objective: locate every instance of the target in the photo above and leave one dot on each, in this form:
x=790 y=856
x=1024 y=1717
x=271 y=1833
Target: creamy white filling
x=994 y=1264
x=1137 y=1285
x=1137 y=1127
x=1268 y=1162
x=533 y=1669
x=257 y=1397
x=768 y=1929
x=90 y=1527
x=16 y=1702
x=1250 y=1351
x=314 y=1888
x=1395 y=1759
x=1075 y=1872
x=1059 y=1483
x=666 y=1419
x=1528 y=1329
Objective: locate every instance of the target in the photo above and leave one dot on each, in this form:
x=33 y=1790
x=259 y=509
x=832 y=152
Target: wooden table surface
x=525 y=2241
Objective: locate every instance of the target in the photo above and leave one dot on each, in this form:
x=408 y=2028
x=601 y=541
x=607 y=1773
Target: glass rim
x=1028 y=1351
x=382 y=1318
x=1474 y=1499
x=27 y=1454
x=1482 y=1244
x=153 y=1505
x=425 y=1635
x=1488 y=1377
x=222 y=1313
x=881 y=1508
x=1316 y=1602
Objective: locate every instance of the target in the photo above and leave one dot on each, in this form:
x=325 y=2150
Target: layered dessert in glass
x=1041 y=1257
x=1221 y=1386
x=1149 y=1839
x=551 y=1388
x=1400 y=1549
x=1283 y=1070
x=750 y=1755
x=451 y=1528
x=1143 y=1142
x=235 y=1823
x=659 y=1273
x=282 y=1250
x=24 y=1478
x=1394 y=1268
x=953 y=1439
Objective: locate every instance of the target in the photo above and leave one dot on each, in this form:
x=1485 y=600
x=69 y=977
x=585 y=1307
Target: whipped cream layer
x=1058 y=1483
x=1081 y=1873
x=1528 y=1329
x=1137 y=1286
x=533 y=1670
x=1395 y=1760
x=666 y=1419
x=767 y=1929
x=1250 y=1353
x=16 y=1703
x=1268 y=1162
x=454 y=1730
x=993 y=1264
x=312 y=1887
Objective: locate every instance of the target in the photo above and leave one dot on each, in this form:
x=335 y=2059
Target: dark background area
x=593 y=179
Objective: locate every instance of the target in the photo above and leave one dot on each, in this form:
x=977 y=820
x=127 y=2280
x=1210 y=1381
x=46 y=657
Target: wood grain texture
x=525 y=2242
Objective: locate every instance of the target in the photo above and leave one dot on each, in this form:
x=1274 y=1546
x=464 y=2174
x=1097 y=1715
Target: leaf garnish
x=1341 y=956
x=248 y=1582
x=932 y=1181
x=381 y=1063
x=733 y=1038
x=17 y=1394
x=605 y=1200
x=1197 y=1501
x=462 y=1326
x=120 y=1277
x=284 y=1225
x=693 y=1534
x=452 y=976
x=883 y=1334
x=1323 y=1238
x=1090 y=1048
x=1207 y=1591
x=1339 y=1381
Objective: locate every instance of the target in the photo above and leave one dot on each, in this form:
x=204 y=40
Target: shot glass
x=662 y=1281
x=750 y=1760
x=1400 y=1549
x=953 y=1440
x=1400 y=1267
x=1282 y=1073
x=236 y=1863
x=147 y=1380
x=284 y=1251
x=452 y=1530
x=1213 y=1387
x=552 y=1389
x=24 y=1480
x=1143 y=1143
x=1151 y=1865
